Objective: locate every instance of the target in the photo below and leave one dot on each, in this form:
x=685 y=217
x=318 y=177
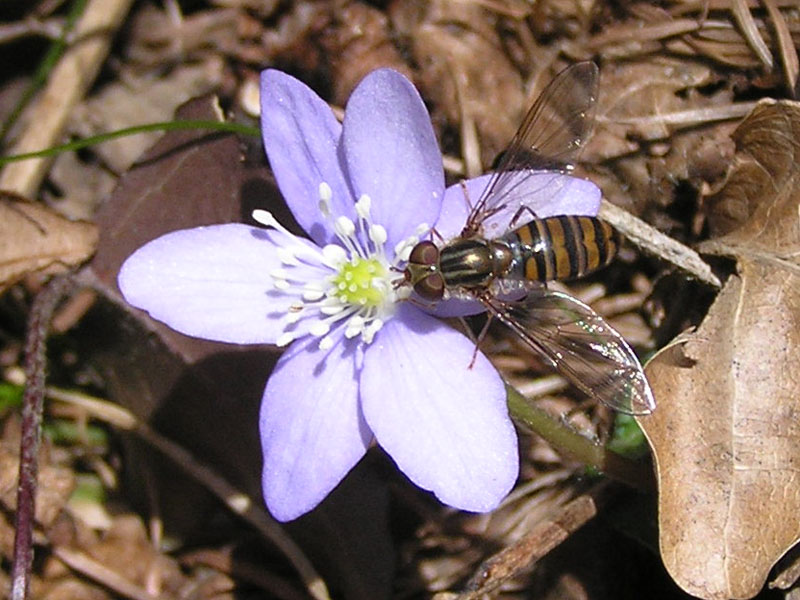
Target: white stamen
x=334 y=256
x=284 y=339
x=371 y=329
x=265 y=218
x=292 y=317
x=377 y=233
x=319 y=328
x=400 y=246
x=344 y=227
x=363 y=206
x=355 y=325
x=403 y=249
x=313 y=295
x=356 y=321
x=325 y=192
x=333 y=309
x=326 y=343
x=287 y=257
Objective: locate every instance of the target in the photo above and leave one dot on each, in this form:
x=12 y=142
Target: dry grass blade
x=626 y=34
x=673 y=121
x=749 y=28
x=786 y=46
x=653 y=241
x=10 y=32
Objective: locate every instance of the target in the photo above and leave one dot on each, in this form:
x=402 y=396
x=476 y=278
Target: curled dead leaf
x=726 y=435
x=36 y=239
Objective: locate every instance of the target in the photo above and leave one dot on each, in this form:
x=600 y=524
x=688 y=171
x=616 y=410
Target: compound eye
x=430 y=288
x=424 y=253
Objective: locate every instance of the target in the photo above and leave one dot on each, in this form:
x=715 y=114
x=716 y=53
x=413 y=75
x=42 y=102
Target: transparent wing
x=553 y=130
x=581 y=345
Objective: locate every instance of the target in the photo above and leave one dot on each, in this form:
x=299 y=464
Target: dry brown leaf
x=161 y=36
x=359 y=41
x=726 y=435
x=648 y=87
x=633 y=109
x=84 y=564
x=465 y=69
x=35 y=239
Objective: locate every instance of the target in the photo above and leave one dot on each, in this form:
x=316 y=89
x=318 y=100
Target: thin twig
x=240 y=503
x=534 y=545
x=32 y=402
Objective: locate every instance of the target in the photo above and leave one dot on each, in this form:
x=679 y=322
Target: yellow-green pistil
x=354 y=282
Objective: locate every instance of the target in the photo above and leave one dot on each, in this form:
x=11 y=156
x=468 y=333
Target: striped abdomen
x=563 y=247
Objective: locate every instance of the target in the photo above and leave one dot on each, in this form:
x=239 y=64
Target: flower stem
x=32 y=404
x=567 y=440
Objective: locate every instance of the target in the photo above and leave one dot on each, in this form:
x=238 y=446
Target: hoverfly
x=486 y=262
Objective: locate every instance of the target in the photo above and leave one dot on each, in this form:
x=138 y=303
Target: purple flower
x=363 y=364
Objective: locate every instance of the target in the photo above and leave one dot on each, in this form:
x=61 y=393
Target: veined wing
x=553 y=130
x=581 y=345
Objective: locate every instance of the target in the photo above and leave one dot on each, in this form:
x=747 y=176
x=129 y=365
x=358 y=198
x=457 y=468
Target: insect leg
x=464 y=189
x=435 y=233
x=481 y=335
x=522 y=209
x=479 y=338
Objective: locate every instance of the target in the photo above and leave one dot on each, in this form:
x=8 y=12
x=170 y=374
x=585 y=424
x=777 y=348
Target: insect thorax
x=473 y=262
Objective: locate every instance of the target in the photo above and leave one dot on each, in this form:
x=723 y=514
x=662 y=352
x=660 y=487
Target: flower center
x=351 y=283
x=354 y=282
